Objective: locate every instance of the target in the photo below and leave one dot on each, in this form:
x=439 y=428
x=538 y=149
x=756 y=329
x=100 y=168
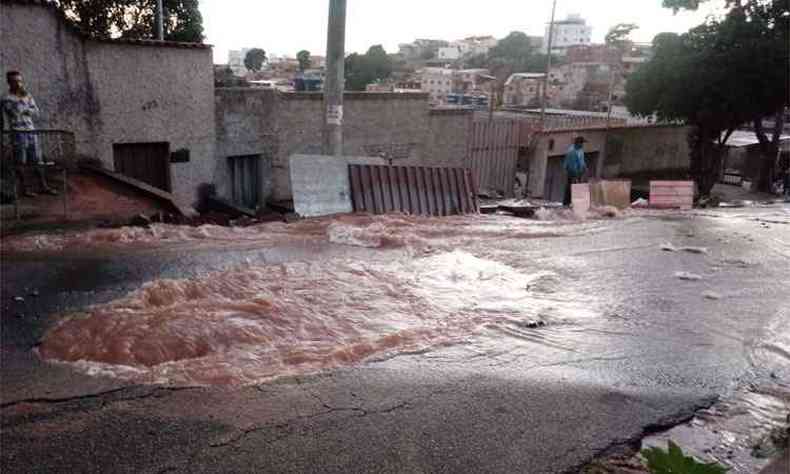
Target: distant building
x=420 y=48
x=475 y=45
x=592 y=53
x=582 y=86
x=442 y=82
x=317 y=62
x=437 y=82
x=283 y=66
x=473 y=81
x=524 y=89
x=236 y=61
x=572 y=31
x=536 y=42
x=449 y=53
x=380 y=87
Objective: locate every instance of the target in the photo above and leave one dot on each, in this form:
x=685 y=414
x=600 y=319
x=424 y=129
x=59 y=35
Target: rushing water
x=453 y=280
x=255 y=323
x=258 y=322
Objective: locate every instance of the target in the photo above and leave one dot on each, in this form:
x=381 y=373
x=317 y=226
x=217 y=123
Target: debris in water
x=667 y=247
x=534 y=324
x=605 y=211
x=698 y=250
x=688 y=276
x=641 y=202
x=711 y=295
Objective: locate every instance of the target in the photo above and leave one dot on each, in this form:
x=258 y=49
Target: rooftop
x=742 y=138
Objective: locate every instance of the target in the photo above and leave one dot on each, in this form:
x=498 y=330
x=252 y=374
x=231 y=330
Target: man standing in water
x=20 y=109
x=574 y=166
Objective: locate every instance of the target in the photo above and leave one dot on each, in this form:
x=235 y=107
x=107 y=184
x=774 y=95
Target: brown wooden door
x=147 y=162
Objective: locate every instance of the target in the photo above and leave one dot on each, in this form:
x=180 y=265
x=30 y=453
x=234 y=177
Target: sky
x=285 y=27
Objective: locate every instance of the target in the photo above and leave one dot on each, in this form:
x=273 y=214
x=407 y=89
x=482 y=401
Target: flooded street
x=392 y=343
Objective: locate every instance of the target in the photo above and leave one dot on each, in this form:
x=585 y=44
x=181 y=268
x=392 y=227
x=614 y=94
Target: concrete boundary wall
x=630 y=151
x=277 y=125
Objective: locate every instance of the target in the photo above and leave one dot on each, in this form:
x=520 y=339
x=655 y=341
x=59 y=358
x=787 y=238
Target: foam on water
x=357 y=230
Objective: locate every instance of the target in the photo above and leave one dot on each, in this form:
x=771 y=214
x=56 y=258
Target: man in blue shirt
x=575 y=166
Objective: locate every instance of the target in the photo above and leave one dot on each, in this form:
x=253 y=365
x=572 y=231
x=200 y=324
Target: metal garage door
x=147 y=162
x=245 y=180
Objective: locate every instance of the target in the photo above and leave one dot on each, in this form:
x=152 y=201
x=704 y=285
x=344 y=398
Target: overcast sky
x=286 y=26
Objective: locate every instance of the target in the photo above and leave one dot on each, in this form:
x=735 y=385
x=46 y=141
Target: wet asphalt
x=550 y=400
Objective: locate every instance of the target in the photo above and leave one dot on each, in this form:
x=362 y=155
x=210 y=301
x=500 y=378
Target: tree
x=717 y=77
x=364 y=69
x=303 y=57
x=254 y=59
x=135 y=19
x=515 y=50
x=618 y=35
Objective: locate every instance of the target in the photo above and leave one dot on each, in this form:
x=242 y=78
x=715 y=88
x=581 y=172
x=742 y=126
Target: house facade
x=126 y=101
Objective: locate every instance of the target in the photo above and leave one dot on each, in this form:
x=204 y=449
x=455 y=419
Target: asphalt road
x=549 y=400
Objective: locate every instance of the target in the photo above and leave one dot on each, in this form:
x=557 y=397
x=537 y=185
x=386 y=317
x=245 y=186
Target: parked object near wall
x=672 y=194
x=414 y=190
x=321 y=185
x=580 y=198
x=615 y=193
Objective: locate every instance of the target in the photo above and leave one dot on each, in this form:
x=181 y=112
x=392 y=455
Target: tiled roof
x=136 y=42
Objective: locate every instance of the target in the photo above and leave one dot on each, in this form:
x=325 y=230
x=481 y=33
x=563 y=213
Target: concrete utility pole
x=335 y=78
x=160 y=24
x=605 y=148
x=548 y=68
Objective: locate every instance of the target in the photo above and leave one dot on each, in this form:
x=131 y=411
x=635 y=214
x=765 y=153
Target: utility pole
x=605 y=148
x=159 y=18
x=548 y=68
x=335 y=79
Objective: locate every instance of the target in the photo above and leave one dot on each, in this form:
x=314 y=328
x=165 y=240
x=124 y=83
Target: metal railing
x=57 y=153
x=571 y=122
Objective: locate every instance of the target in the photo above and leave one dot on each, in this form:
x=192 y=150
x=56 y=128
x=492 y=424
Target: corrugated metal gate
x=492 y=154
x=412 y=190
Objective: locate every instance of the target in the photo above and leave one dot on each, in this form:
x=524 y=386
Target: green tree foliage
x=514 y=53
x=673 y=461
x=717 y=77
x=364 y=69
x=303 y=57
x=254 y=59
x=135 y=19
x=618 y=35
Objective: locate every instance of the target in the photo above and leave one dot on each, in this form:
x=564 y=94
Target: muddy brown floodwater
x=258 y=322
